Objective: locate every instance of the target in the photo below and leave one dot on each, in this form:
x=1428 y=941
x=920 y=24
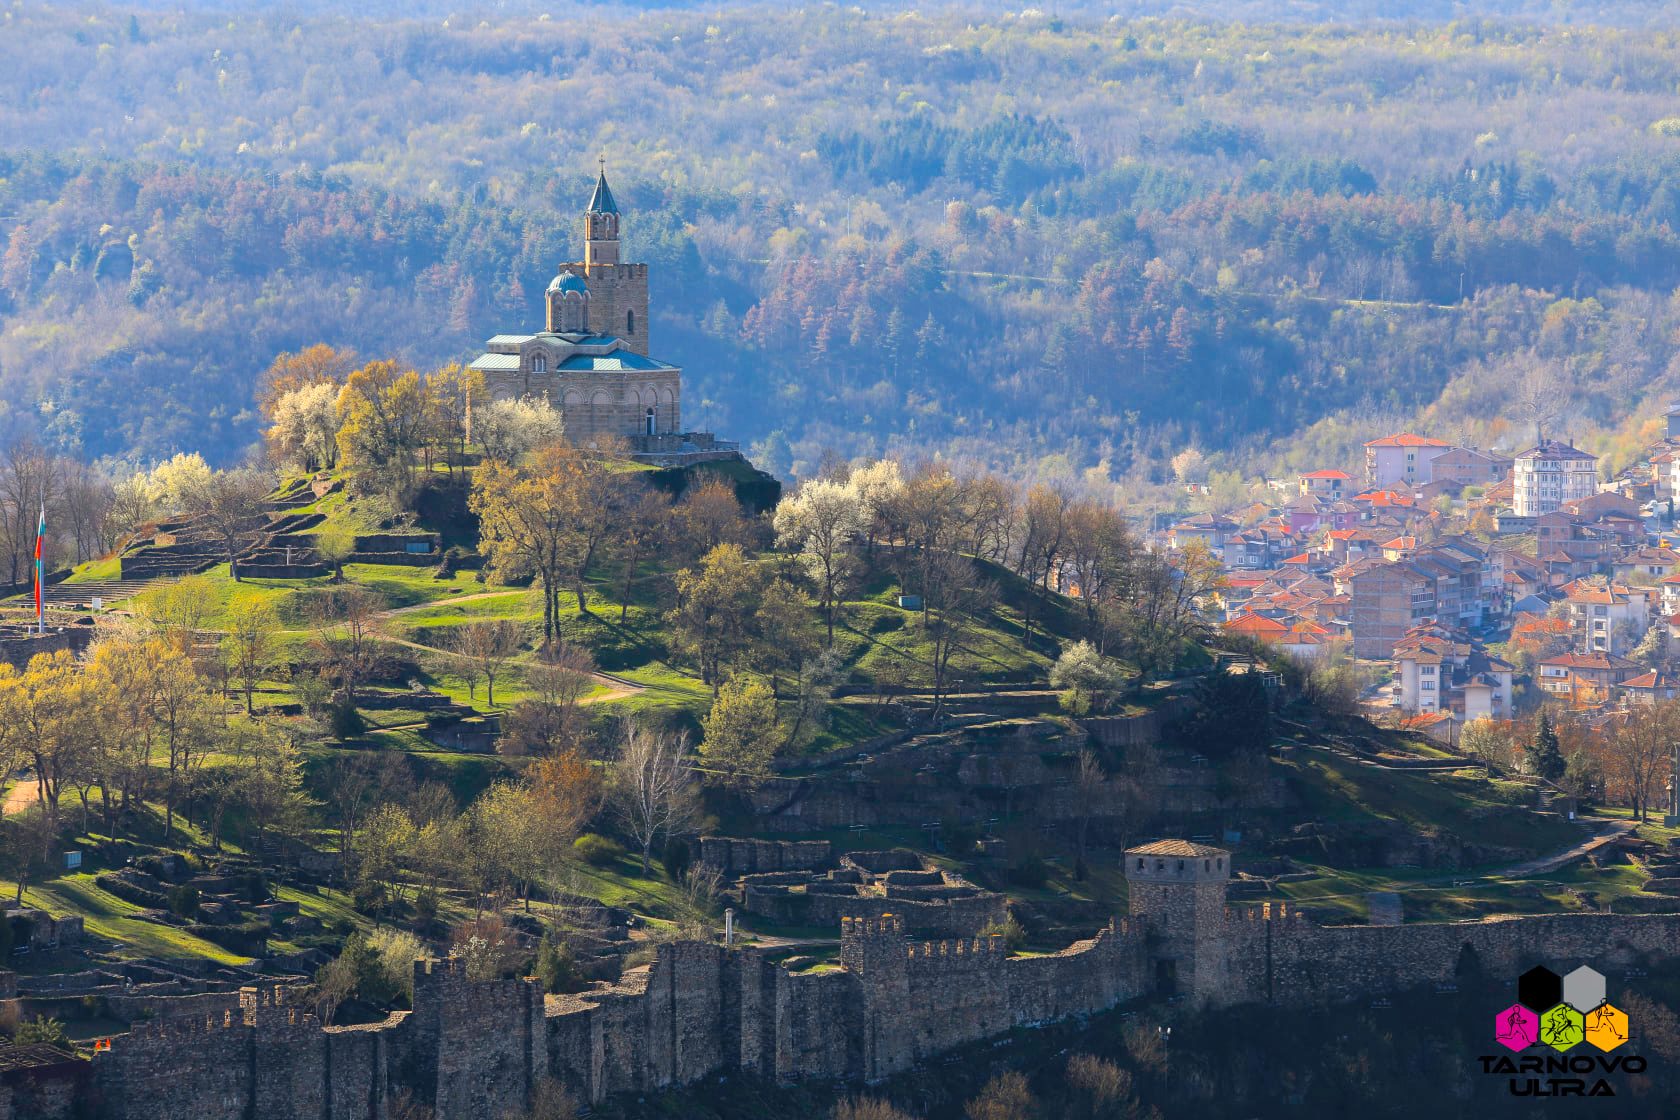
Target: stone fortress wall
x=473 y=1049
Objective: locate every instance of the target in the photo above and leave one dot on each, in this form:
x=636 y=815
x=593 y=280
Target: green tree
x=740 y=735
x=250 y=643
x=1545 y=757
x=1085 y=677
x=335 y=543
x=712 y=620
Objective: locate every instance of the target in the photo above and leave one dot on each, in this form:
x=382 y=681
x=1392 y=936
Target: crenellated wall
x=473 y=1050
x=1274 y=954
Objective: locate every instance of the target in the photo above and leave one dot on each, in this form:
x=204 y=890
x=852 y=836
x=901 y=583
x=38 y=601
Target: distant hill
x=1268 y=242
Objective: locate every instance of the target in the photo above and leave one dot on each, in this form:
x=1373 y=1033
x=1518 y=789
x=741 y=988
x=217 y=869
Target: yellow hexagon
x=1607 y=1027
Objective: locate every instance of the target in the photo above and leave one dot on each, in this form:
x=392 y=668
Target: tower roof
x=1176 y=848
x=602 y=202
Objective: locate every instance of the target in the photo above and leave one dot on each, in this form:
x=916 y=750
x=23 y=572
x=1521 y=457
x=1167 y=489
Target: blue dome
x=568 y=282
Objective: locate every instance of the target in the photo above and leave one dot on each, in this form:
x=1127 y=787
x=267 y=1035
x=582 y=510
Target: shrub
x=346 y=722
x=1013 y=933
x=597 y=850
x=395 y=951
x=557 y=968
x=41 y=1030
x=960 y=839
x=369 y=896
x=676 y=857
x=426 y=904
x=183 y=900
x=1029 y=871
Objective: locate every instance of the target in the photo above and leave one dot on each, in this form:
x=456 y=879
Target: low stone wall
x=733 y=857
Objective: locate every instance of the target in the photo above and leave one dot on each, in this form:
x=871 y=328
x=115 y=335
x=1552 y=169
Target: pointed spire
x=601 y=202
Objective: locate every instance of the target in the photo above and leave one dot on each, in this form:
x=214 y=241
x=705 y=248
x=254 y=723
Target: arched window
x=1207 y=865
x=1140 y=865
x=652 y=421
x=539 y=364
x=629 y=322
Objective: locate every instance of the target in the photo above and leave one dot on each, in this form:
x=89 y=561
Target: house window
x=539 y=364
x=1140 y=865
x=629 y=322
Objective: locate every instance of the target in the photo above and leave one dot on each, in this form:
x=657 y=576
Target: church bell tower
x=618 y=292
x=600 y=226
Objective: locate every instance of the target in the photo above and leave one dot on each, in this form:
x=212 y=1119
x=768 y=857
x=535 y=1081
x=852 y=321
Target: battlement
x=448 y=968
x=961 y=950
x=1274 y=912
x=273 y=1006
x=887 y=925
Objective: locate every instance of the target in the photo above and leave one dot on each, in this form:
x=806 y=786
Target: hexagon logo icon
x=1562 y=1027
x=1539 y=990
x=1516 y=1027
x=1583 y=989
x=1607 y=1027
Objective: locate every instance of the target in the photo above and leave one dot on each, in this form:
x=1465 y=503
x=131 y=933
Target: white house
x=1549 y=474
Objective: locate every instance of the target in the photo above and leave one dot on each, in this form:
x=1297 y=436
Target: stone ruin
x=800 y=883
x=473 y=1050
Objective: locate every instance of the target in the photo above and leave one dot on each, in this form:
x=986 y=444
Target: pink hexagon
x=1516 y=1027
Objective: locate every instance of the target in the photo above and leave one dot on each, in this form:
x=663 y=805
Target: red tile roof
x=1407 y=439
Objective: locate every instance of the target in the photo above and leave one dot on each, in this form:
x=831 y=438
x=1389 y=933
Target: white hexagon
x=1583 y=989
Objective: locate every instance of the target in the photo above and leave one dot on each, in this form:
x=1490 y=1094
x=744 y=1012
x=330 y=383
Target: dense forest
x=1047 y=243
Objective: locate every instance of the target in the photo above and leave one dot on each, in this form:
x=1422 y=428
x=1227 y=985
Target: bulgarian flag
x=40 y=535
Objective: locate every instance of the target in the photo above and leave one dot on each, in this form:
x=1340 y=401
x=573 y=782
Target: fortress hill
x=472 y=1049
x=591 y=362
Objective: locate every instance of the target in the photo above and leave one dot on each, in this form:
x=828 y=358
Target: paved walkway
x=1609 y=832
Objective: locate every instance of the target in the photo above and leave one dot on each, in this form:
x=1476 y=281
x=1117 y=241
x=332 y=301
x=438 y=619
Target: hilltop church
x=591 y=358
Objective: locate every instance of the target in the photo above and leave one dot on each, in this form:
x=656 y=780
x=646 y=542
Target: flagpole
x=40 y=585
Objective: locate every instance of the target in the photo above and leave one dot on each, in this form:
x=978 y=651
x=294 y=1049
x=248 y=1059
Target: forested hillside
x=1004 y=237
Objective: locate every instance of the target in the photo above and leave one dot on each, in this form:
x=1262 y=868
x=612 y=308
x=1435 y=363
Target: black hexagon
x=1539 y=989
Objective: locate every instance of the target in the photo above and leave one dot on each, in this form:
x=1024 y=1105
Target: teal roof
x=618 y=360
x=601 y=202
x=496 y=363
x=568 y=282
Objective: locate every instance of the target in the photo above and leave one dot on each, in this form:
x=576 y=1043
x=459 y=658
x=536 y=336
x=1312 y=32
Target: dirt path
x=20 y=796
x=1612 y=831
x=616 y=687
x=434 y=603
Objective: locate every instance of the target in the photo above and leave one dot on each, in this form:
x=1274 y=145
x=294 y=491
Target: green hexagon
x=1562 y=1027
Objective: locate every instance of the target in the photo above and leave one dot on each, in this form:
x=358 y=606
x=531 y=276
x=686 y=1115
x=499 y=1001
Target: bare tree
x=653 y=790
x=488 y=646
x=1090 y=787
x=230 y=505
x=348 y=620
x=1639 y=751
x=29 y=481
x=952 y=599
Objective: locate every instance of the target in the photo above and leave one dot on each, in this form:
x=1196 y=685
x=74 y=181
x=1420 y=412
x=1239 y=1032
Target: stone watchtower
x=1177 y=889
x=618 y=292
